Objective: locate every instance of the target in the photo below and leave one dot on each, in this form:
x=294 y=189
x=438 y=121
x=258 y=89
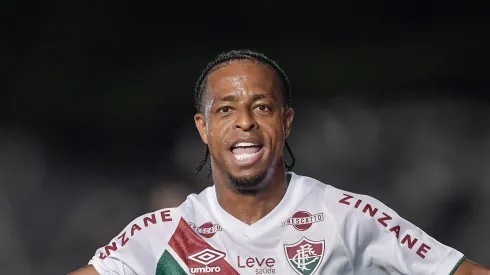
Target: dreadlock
x=223 y=59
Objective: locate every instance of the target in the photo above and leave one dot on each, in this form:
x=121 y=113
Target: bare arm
x=87 y=270
x=471 y=268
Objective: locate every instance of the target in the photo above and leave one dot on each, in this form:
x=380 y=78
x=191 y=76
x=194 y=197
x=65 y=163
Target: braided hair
x=222 y=60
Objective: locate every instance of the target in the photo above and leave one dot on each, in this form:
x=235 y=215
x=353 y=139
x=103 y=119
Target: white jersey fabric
x=315 y=229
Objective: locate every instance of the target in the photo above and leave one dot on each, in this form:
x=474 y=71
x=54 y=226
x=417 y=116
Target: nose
x=245 y=121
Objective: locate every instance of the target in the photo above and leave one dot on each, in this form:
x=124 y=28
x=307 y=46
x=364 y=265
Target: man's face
x=244 y=122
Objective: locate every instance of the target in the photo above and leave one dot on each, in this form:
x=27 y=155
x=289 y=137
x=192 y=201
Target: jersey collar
x=280 y=213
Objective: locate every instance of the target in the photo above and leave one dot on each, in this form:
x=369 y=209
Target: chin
x=248 y=182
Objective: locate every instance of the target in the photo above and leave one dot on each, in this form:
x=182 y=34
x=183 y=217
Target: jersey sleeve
x=113 y=267
x=135 y=250
x=379 y=241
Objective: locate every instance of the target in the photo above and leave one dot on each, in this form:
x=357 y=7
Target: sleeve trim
x=97 y=267
x=452 y=262
x=457 y=265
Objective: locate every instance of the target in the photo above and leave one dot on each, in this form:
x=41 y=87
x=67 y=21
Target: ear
x=288 y=121
x=200 y=121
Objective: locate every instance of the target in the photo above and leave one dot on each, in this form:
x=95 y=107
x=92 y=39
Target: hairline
x=204 y=88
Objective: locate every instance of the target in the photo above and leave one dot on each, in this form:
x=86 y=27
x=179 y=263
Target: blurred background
x=96 y=112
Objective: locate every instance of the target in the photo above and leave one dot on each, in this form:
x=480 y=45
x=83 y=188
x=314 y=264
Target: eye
x=263 y=108
x=224 y=109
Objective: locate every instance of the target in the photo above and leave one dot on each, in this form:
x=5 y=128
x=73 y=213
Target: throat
x=251 y=207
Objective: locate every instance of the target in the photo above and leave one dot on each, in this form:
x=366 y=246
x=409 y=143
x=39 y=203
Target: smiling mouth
x=246 y=151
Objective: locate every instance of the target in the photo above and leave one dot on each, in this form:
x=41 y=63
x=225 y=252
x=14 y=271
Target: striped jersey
x=316 y=229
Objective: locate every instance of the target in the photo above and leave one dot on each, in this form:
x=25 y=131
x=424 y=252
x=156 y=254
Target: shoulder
x=135 y=246
x=343 y=204
x=141 y=231
x=362 y=216
x=325 y=192
x=368 y=227
x=151 y=228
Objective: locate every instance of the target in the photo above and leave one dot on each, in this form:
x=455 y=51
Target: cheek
x=279 y=136
x=275 y=132
x=218 y=132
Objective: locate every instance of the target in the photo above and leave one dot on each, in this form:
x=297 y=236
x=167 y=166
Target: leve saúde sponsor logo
x=260 y=265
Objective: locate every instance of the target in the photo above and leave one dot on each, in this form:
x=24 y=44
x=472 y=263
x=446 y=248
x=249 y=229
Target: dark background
x=96 y=112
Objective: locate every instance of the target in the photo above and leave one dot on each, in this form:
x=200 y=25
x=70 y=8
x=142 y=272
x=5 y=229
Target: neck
x=250 y=207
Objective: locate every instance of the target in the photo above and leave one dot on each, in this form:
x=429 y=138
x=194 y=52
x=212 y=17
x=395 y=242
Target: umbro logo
x=206 y=257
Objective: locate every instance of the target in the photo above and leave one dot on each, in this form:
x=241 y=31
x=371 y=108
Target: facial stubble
x=248 y=184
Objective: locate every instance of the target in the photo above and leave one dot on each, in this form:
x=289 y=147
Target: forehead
x=244 y=76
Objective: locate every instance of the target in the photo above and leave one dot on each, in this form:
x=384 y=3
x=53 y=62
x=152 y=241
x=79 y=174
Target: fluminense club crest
x=305 y=256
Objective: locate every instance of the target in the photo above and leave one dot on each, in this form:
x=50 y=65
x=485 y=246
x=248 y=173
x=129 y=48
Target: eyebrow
x=233 y=98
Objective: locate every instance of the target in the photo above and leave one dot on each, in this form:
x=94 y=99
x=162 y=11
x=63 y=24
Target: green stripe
x=167 y=265
x=457 y=265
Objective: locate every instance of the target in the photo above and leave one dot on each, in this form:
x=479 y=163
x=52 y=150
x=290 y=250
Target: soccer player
x=259 y=217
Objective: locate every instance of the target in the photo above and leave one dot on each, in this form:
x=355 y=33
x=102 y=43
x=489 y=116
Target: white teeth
x=245 y=156
x=245 y=144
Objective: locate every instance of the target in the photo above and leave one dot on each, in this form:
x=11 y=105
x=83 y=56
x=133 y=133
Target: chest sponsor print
x=305 y=256
x=260 y=265
x=302 y=220
x=206 y=230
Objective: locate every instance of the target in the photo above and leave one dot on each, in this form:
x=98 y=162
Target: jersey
x=316 y=229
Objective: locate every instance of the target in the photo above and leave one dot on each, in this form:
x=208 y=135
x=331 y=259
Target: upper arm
x=118 y=268
x=470 y=268
x=377 y=238
x=86 y=270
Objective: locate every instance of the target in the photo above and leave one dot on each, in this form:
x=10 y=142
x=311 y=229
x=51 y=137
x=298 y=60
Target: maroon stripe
x=186 y=242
